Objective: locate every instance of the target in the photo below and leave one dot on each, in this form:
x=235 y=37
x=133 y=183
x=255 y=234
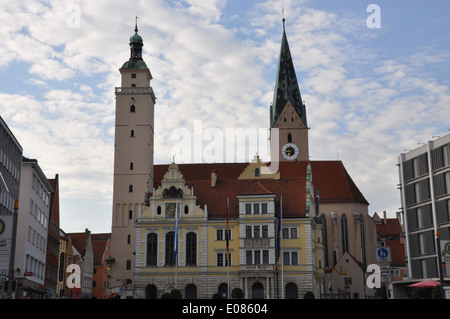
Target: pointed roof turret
x=286 y=85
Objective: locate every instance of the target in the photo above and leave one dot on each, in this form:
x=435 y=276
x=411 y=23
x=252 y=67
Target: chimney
x=384 y=217
x=213 y=178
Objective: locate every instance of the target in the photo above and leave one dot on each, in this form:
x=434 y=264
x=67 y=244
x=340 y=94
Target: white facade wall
x=32 y=224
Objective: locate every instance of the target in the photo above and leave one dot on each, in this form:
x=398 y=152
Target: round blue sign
x=383 y=252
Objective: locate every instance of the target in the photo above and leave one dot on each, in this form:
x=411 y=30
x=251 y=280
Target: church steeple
x=287 y=112
x=136 y=44
x=286 y=85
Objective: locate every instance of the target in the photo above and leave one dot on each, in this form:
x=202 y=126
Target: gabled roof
x=257 y=189
x=329 y=177
x=99 y=246
x=79 y=241
x=389 y=227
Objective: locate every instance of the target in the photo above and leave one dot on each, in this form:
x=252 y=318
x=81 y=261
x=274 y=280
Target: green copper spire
x=286 y=86
x=136 y=44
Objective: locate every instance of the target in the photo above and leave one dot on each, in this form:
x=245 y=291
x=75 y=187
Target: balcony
x=135 y=91
x=258 y=268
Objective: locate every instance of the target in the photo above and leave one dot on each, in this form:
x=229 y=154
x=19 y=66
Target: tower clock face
x=290 y=151
x=171 y=209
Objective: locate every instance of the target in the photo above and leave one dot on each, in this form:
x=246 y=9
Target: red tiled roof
x=257 y=189
x=391 y=228
x=99 y=245
x=79 y=241
x=330 y=177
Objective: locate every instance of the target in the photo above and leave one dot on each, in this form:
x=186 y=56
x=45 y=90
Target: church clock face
x=290 y=151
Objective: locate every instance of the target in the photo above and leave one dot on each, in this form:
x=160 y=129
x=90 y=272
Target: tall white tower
x=133 y=161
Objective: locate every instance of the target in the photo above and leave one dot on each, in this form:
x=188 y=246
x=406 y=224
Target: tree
x=175 y=294
x=419 y=293
x=436 y=293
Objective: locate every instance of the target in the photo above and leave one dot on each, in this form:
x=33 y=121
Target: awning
x=426 y=284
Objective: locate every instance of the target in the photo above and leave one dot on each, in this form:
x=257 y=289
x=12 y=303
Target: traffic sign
x=383 y=254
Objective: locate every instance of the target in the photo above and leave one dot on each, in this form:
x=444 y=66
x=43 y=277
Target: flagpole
x=176 y=245
x=282 y=256
x=228 y=238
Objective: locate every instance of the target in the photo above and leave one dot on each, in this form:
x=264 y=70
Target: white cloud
x=362 y=107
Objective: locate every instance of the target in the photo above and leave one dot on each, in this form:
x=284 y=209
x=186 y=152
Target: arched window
x=128 y=264
x=289 y=138
x=131 y=166
x=132 y=133
x=132 y=108
x=170 y=251
x=344 y=233
x=291 y=291
x=191 y=249
x=152 y=249
x=130 y=188
x=363 y=241
x=257 y=291
x=223 y=290
x=190 y=292
x=186 y=209
x=158 y=210
x=150 y=292
x=257 y=172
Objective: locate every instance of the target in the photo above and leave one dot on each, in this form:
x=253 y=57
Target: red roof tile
x=257 y=189
x=330 y=177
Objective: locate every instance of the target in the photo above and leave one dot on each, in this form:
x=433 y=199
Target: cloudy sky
x=375 y=82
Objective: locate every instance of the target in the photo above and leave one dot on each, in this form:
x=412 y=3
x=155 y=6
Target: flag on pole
x=279 y=228
x=227 y=236
x=176 y=234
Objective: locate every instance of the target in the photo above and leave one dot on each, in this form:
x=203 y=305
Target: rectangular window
x=286 y=258
x=248 y=257
x=248 y=209
x=257 y=257
x=256 y=232
x=219 y=234
x=264 y=208
x=248 y=231
x=294 y=258
x=265 y=231
x=294 y=232
x=265 y=257
x=255 y=208
x=285 y=232
x=221 y=259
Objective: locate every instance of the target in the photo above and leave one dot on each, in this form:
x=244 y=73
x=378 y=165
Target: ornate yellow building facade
x=181 y=238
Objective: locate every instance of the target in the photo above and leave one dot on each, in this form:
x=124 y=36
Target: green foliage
x=436 y=293
x=419 y=293
x=309 y=295
x=237 y=293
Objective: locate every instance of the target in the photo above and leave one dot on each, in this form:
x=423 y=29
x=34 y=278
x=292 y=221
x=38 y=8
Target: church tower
x=133 y=160
x=288 y=112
